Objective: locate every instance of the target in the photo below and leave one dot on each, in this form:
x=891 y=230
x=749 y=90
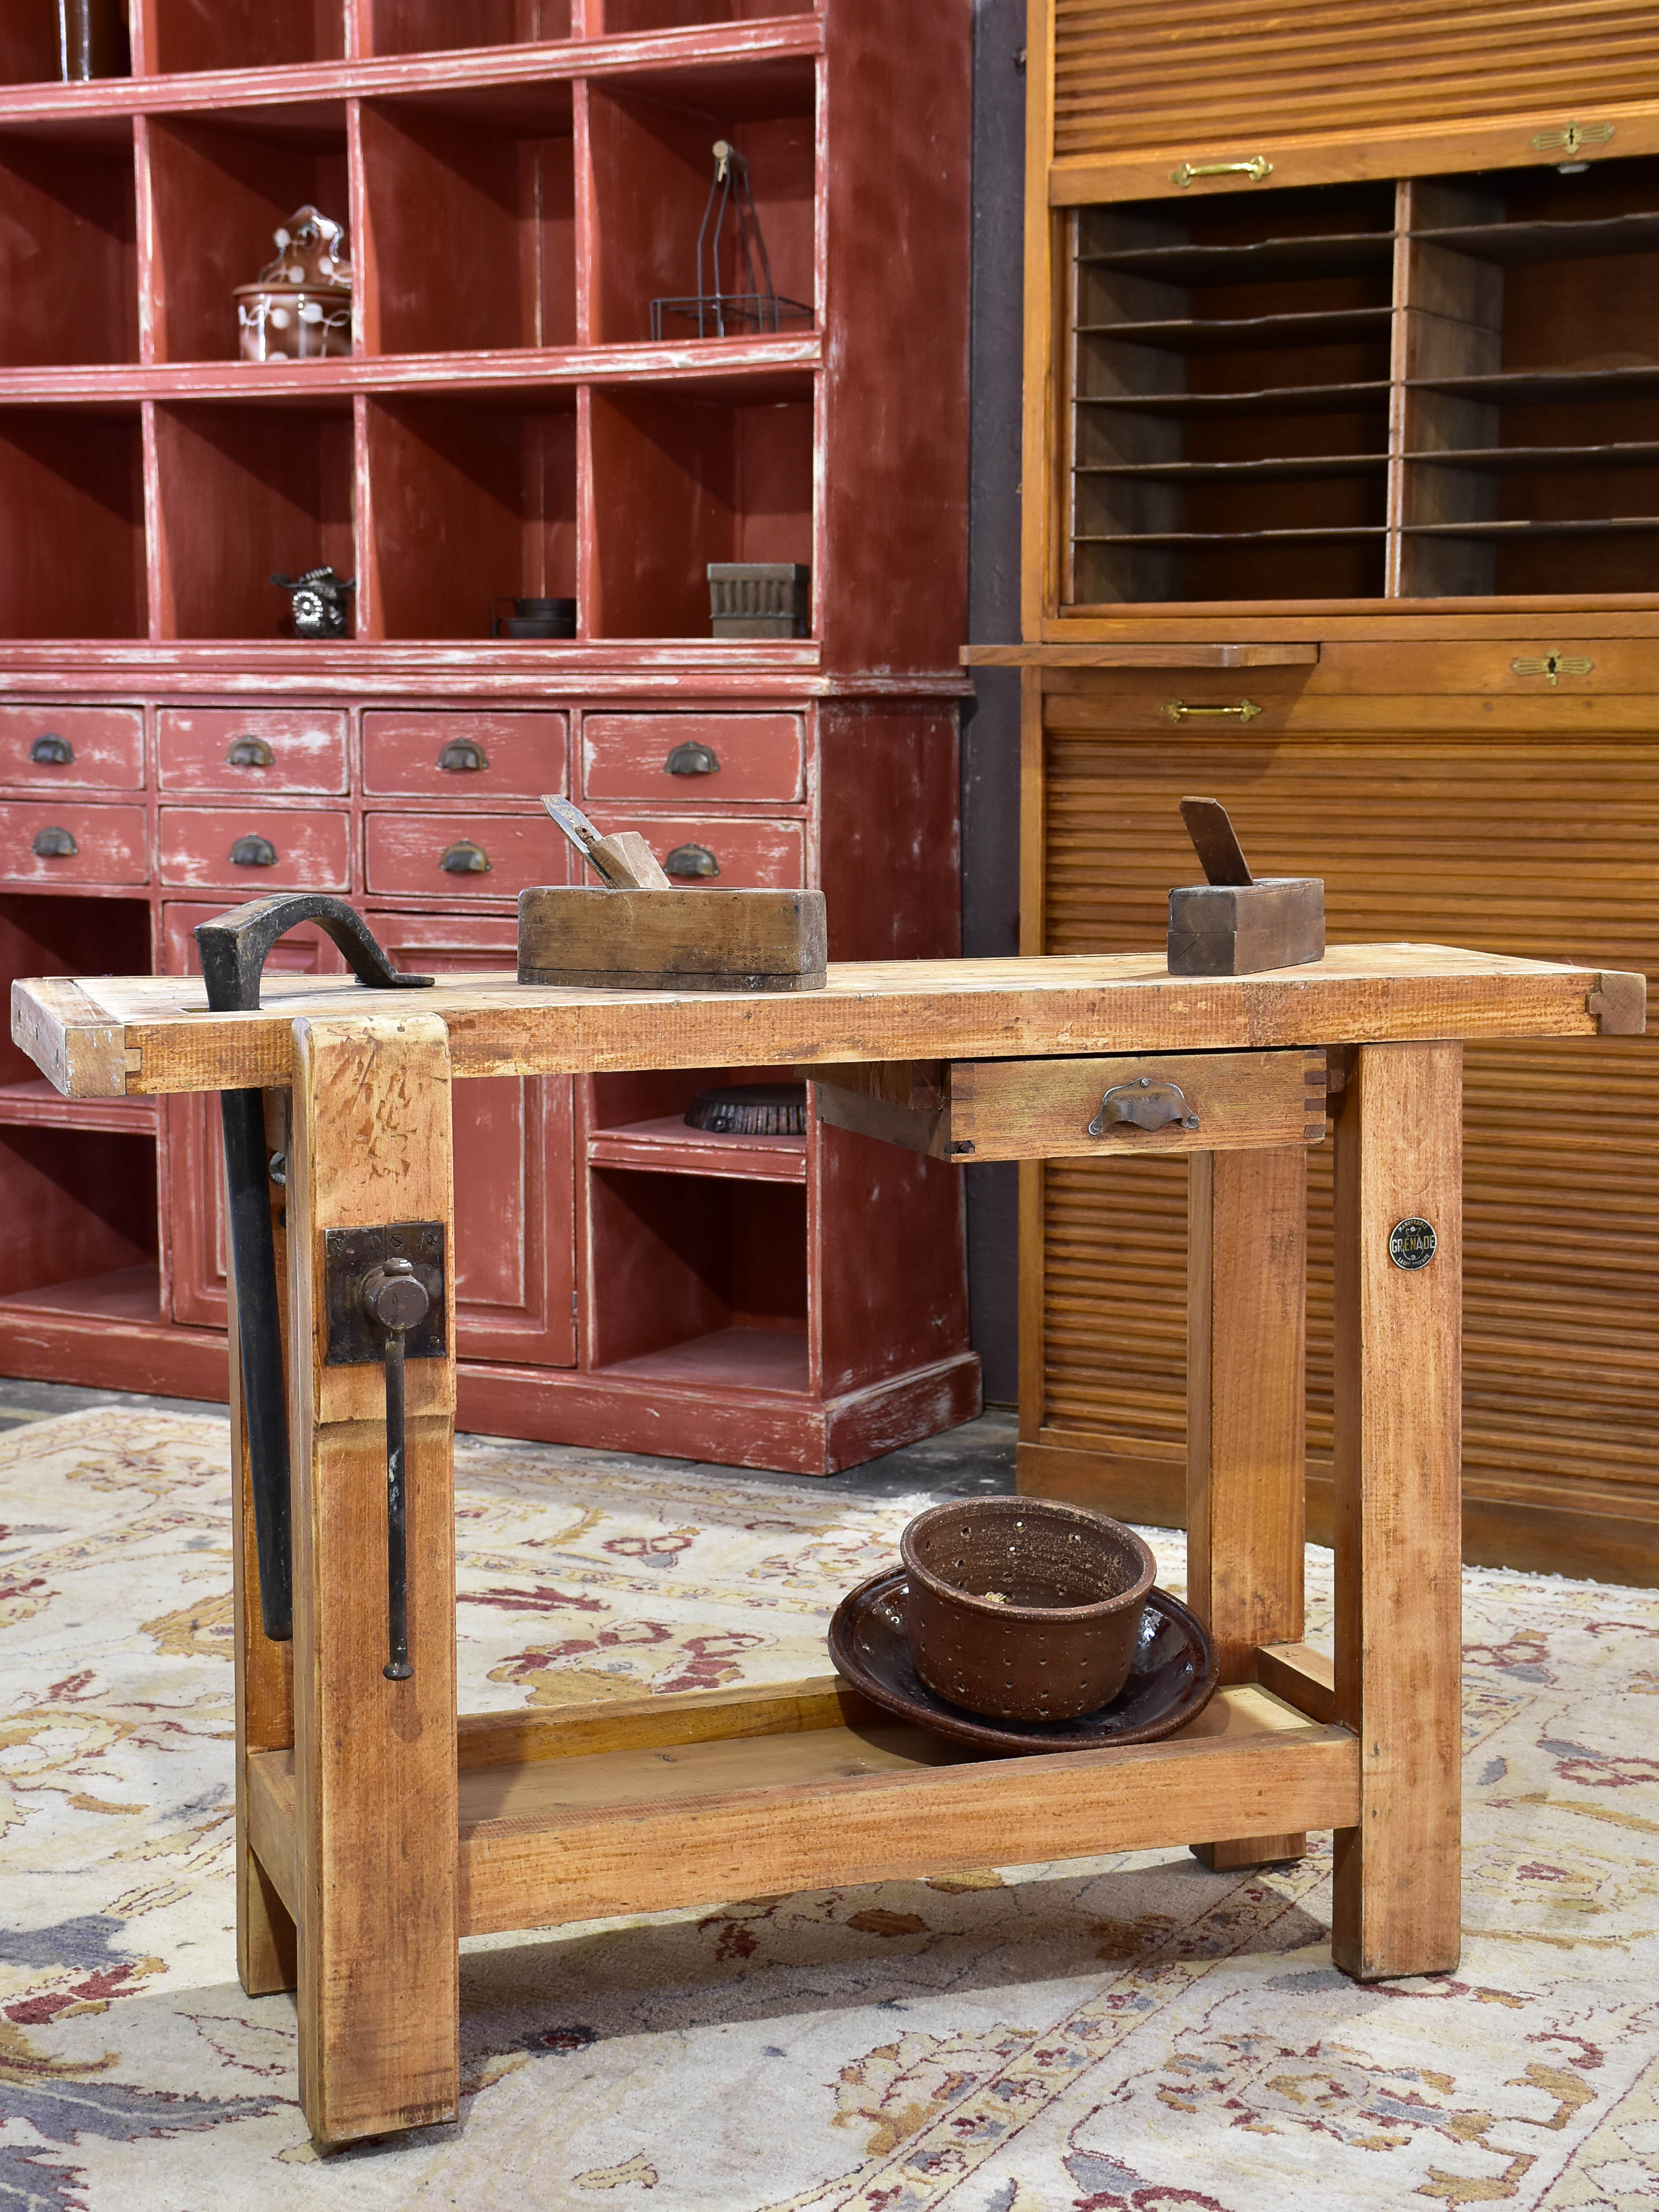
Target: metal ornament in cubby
x=319 y=601
x=298 y=308
x=730 y=225
x=759 y=599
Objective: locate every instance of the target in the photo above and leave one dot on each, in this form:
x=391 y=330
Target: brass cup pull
x=1143 y=1104
x=691 y=861
x=251 y=752
x=1178 y=710
x=253 y=852
x=1255 y=169
x=464 y=858
x=54 y=845
x=49 y=751
x=460 y=757
x=692 y=758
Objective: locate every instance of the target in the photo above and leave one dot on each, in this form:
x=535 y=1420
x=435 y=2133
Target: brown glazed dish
x=1022 y=1609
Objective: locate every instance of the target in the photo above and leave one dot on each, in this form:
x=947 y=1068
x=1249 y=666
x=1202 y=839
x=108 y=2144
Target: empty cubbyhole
x=698 y=1277
x=470 y=222
x=1232 y=396
x=77 y=570
x=81 y=1220
x=54 y=935
x=682 y=477
x=471 y=501
x=219 y=195
x=652 y=152
x=246 y=490
x=68 y=271
x=1532 y=404
x=621 y=17
x=425 y=26
x=42 y=41
x=240 y=34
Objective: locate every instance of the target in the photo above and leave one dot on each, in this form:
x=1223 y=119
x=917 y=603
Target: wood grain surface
x=1399 y=1587
x=898 y=1010
x=375 y=1761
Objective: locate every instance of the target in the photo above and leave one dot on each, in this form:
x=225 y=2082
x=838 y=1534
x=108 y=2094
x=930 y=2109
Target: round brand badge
x=1411 y=1242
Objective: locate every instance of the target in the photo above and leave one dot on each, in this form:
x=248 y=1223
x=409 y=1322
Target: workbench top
x=114 y=1036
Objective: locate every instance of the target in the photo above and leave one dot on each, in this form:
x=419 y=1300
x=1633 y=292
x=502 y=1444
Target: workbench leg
x=375 y=1759
x=1398 y=1409
x=264 y=1684
x=1247 y=1271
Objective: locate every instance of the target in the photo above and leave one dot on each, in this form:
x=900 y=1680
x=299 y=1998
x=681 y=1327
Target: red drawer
x=227 y=749
x=748 y=852
x=755 y=756
x=68 y=841
x=405 y=855
x=311 y=846
x=104 y=747
x=465 y=758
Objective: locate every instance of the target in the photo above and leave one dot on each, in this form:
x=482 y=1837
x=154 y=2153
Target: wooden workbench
x=374 y=1830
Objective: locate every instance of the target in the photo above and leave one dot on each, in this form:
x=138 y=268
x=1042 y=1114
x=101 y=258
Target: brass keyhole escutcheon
x=1552 y=666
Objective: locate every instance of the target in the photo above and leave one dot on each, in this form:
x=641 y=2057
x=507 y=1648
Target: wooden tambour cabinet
x=1342 y=474
x=503 y=425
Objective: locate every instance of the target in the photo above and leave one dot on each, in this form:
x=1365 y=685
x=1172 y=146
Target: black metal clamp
x=233 y=947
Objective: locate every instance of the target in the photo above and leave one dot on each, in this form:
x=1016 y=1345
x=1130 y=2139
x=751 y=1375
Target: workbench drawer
x=1036 y=1109
x=469 y=757
x=254 y=850
x=227 y=749
x=71 y=842
x=738 y=851
x=663 y=758
x=72 y=748
x=442 y=857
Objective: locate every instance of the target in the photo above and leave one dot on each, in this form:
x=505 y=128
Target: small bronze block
x=1241 y=929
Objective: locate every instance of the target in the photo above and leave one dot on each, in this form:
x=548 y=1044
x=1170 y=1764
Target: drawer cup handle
x=49 y=751
x=251 y=752
x=460 y=757
x=1143 y=1104
x=253 y=852
x=692 y=759
x=464 y=858
x=54 y=845
x=691 y=861
x=1178 y=710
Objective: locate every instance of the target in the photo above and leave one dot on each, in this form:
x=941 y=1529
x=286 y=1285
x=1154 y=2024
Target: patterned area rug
x=1128 y=2034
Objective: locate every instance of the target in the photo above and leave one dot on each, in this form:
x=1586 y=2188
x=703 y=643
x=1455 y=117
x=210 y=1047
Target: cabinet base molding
x=1143 y=1480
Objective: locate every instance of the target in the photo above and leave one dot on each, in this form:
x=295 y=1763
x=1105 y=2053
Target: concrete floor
x=973 y=1461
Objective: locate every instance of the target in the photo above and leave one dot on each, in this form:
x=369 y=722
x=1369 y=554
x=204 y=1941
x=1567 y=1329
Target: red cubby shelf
x=218 y=191
x=178 y=35
x=425 y=27
x=242 y=491
x=469 y=500
x=521 y=178
x=468 y=223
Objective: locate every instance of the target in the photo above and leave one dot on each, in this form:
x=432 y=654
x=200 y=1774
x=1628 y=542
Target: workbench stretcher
x=374 y=1829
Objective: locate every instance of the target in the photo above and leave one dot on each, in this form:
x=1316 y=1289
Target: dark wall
x=990 y=748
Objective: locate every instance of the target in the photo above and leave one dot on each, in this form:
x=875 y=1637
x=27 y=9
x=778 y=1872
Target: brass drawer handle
x=253 y=852
x=251 y=752
x=1178 y=710
x=1143 y=1104
x=49 y=751
x=460 y=757
x=691 y=861
x=1255 y=169
x=54 y=845
x=1552 y=667
x=464 y=858
x=692 y=759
